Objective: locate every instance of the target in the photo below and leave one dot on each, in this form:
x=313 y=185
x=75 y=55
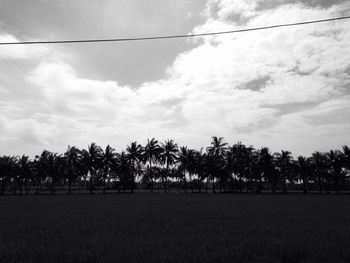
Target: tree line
x=167 y=167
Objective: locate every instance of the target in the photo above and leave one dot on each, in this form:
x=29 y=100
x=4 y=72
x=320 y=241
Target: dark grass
x=175 y=228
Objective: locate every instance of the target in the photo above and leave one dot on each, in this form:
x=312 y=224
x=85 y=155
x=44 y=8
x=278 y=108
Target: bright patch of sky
x=286 y=88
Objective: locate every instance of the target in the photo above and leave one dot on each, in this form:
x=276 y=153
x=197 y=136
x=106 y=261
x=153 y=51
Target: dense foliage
x=220 y=167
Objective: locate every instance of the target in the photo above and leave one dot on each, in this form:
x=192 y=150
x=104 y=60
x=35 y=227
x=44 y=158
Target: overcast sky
x=286 y=88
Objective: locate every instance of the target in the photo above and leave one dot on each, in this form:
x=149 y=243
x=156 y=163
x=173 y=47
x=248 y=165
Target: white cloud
x=21 y=51
x=207 y=92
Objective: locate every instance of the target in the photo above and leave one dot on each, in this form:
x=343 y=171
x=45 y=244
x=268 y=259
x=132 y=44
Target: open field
x=175 y=228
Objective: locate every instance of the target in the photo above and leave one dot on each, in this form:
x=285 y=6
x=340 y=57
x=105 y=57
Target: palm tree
x=346 y=162
x=218 y=147
x=7 y=171
x=42 y=168
x=152 y=153
x=319 y=166
x=25 y=168
x=201 y=169
x=54 y=167
x=107 y=159
x=134 y=153
x=284 y=163
x=230 y=164
x=169 y=156
x=265 y=167
x=335 y=161
x=187 y=163
x=125 y=172
x=249 y=157
x=346 y=156
x=303 y=170
x=72 y=156
x=242 y=162
x=217 y=152
x=92 y=158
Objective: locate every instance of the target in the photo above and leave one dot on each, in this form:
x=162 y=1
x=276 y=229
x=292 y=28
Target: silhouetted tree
x=169 y=156
x=92 y=160
x=134 y=154
x=152 y=155
x=217 y=151
x=284 y=162
x=319 y=166
x=335 y=161
x=238 y=166
x=72 y=158
x=187 y=163
x=107 y=160
x=304 y=171
x=265 y=166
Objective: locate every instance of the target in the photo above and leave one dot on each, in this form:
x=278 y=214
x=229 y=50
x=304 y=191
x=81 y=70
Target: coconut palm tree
x=107 y=160
x=42 y=168
x=92 y=160
x=201 y=169
x=134 y=153
x=250 y=161
x=25 y=170
x=346 y=156
x=187 y=163
x=55 y=165
x=152 y=155
x=217 y=151
x=304 y=171
x=72 y=157
x=335 y=160
x=217 y=147
x=242 y=162
x=284 y=162
x=125 y=172
x=265 y=169
x=169 y=156
x=346 y=162
x=7 y=171
x=319 y=162
x=230 y=164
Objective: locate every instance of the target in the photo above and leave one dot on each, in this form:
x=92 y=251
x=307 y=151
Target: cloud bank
x=286 y=88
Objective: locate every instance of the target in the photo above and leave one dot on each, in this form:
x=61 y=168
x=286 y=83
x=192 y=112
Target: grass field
x=175 y=228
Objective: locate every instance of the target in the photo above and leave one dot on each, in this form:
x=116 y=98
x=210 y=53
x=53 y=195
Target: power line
x=172 y=36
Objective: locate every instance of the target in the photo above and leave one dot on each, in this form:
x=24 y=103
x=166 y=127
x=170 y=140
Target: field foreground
x=175 y=228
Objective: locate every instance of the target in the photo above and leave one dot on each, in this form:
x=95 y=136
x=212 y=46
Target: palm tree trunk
x=91 y=191
x=69 y=184
x=52 y=190
x=319 y=184
x=104 y=186
x=3 y=186
x=21 y=187
x=304 y=186
x=199 y=185
x=191 y=182
x=240 y=183
x=166 y=177
x=37 y=188
x=134 y=176
x=259 y=187
x=150 y=174
x=29 y=187
x=213 y=184
x=273 y=186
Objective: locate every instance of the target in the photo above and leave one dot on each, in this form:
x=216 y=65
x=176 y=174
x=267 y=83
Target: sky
x=285 y=88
